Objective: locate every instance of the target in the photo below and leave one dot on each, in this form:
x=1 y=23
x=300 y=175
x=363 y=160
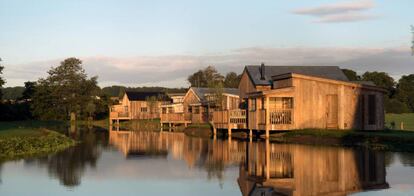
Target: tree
x=405 y=91
x=351 y=75
x=65 y=92
x=381 y=79
x=2 y=81
x=206 y=77
x=232 y=80
x=152 y=103
x=29 y=90
x=90 y=109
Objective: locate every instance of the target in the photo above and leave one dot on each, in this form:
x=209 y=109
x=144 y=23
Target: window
x=197 y=110
x=253 y=104
x=164 y=110
x=126 y=109
x=280 y=102
x=190 y=109
x=372 y=110
x=144 y=109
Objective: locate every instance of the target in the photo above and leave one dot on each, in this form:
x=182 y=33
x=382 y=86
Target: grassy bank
x=396 y=119
x=379 y=140
x=30 y=138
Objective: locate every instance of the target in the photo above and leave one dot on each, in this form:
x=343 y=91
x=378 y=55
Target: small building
x=176 y=104
x=202 y=102
x=305 y=97
x=138 y=105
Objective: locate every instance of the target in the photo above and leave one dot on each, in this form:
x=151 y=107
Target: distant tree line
x=400 y=96
x=68 y=93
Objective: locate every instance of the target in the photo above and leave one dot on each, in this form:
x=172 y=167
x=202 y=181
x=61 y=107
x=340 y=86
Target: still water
x=151 y=163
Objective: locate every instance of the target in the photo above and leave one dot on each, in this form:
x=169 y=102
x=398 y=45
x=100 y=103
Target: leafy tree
x=206 y=77
x=218 y=97
x=29 y=90
x=2 y=81
x=232 y=80
x=66 y=91
x=405 y=91
x=381 y=79
x=90 y=109
x=351 y=75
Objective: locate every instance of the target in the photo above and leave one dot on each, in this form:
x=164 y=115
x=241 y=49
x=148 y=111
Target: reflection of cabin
x=299 y=97
x=138 y=105
x=277 y=169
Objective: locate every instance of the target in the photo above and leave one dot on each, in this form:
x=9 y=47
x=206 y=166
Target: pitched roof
x=329 y=72
x=142 y=96
x=201 y=92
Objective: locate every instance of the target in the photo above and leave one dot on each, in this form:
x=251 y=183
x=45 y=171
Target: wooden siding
x=245 y=85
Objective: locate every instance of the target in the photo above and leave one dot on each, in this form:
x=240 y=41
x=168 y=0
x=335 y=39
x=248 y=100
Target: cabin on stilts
x=309 y=97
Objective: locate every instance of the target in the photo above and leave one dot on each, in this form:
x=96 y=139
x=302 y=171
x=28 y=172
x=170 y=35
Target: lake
x=153 y=163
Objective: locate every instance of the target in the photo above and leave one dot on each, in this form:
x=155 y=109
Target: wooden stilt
x=250 y=135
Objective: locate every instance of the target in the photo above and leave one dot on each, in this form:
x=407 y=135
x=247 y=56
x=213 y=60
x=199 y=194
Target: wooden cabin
x=202 y=102
x=176 y=104
x=138 y=105
x=305 y=97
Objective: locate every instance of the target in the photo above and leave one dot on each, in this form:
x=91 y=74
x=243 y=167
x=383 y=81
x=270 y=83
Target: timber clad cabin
x=201 y=102
x=299 y=97
x=138 y=105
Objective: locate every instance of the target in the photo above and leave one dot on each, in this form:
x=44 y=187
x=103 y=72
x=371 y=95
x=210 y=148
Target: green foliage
x=67 y=89
x=12 y=93
x=2 y=81
x=218 y=97
x=206 y=77
x=232 y=80
x=152 y=104
x=29 y=90
x=380 y=79
x=395 y=106
x=31 y=142
x=405 y=90
x=351 y=75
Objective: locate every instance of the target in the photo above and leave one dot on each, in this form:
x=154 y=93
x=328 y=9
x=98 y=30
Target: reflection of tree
x=68 y=166
x=407 y=159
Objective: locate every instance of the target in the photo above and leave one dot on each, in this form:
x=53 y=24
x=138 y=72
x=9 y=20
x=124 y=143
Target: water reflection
x=266 y=168
x=261 y=168
x=68 y=166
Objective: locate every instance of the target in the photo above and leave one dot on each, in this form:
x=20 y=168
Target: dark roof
x=142 y=96
x=329 y=72
x=201 y=92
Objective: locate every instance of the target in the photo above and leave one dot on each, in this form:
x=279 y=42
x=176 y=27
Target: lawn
x=407 y=119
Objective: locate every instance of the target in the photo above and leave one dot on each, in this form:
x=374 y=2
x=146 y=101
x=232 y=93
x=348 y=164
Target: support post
x=250 y=135
x=228 y=123
x=267 y=159
x=267 y=118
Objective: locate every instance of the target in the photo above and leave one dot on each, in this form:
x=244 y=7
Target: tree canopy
x=2 y=81
x=232 y=80
x=66 y=90
x=209 y=76
x=351 y=75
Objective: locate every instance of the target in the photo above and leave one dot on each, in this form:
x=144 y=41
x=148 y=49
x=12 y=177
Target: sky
x=159 y=43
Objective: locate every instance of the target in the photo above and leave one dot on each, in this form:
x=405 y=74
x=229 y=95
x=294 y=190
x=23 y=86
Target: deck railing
x=238 y=116
x=281 y=116
x=145 y=116
x=230 y=116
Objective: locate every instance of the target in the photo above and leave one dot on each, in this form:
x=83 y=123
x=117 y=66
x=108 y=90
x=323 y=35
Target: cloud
x=172 y=70
x=350 y=11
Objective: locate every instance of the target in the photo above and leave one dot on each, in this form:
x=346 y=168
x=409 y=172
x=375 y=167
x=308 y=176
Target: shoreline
x=29 y=143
